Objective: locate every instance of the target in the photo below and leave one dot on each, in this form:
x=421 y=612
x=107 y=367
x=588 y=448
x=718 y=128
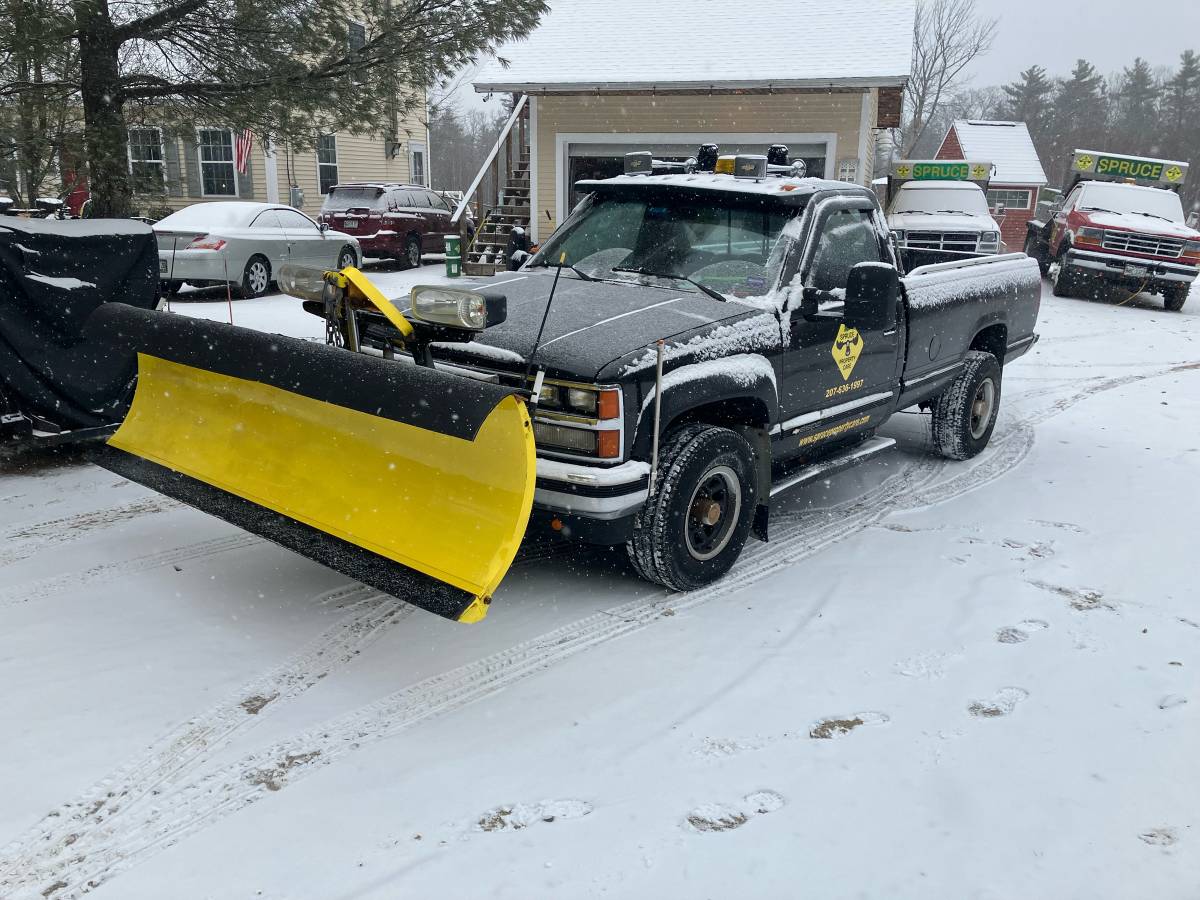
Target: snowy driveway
x=938 y=680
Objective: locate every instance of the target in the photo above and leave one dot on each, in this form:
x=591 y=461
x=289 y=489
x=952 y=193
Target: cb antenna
x=541 y=375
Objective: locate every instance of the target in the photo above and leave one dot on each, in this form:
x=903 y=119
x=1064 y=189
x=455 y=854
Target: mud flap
x=414 y=481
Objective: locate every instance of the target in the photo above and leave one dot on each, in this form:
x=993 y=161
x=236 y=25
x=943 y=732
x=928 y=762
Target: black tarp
x=53 y=275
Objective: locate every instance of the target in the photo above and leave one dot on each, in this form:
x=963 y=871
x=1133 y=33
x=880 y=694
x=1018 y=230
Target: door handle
x=890 y=333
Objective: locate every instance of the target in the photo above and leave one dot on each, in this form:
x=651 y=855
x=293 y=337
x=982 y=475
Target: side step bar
x=825 y=467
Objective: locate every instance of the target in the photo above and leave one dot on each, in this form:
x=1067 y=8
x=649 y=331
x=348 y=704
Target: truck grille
x=957 y=241
x=1149 y=245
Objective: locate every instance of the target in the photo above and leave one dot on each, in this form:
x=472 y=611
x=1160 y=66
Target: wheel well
x=727 y=413
x=993 y=340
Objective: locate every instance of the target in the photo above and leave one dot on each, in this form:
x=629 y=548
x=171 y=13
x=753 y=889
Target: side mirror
x=872 y=296
x=1193 y=219
x=324 y=226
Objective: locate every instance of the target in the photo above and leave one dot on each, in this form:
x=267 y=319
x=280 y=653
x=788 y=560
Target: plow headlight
x=304 y=282
x=457 y=308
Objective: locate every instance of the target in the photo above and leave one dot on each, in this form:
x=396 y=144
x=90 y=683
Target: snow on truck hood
x=917 y=221
x=591 y=323
x=1145 y=224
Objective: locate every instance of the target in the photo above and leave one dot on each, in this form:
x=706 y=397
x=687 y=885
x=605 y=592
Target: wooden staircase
x=487 y=253
x=503 y=189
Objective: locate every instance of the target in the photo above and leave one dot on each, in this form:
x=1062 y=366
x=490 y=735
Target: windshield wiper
x=1099 y=209
x=641 y=270
x=1153 y=216
x=582 y=274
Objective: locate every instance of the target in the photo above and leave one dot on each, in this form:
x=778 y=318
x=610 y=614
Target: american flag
x=241 y=150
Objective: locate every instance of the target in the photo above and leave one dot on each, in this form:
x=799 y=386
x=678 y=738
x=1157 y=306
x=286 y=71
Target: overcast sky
x=1053 y=34
x=1107 y=33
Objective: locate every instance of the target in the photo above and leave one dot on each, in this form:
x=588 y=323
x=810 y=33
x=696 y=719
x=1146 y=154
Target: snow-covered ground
x=939 y=680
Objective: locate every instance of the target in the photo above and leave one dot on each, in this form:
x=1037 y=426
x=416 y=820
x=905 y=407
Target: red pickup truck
x=1120 y=224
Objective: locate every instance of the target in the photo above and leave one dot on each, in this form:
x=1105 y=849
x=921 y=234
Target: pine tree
x=1080 y=118
x=1135 y=127
x=1028 y=100
x=1179 y=107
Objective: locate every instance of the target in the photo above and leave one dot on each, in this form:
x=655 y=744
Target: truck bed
x=950 y=305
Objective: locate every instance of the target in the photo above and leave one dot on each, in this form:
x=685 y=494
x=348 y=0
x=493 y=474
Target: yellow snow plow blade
x=413 y=480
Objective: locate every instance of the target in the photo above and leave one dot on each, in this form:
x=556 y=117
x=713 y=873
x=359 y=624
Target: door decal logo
x=846 y=349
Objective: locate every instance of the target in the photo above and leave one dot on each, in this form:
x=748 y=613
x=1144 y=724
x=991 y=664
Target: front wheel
x=694 y=525
x=256 y=278
x=1065 y=282
x=965 y=414
x=1032 y=251
x=1175 y=297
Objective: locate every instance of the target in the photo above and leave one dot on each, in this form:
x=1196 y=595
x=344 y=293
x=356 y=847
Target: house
x=669 y=76
x=172 y=169
x=1018 y=175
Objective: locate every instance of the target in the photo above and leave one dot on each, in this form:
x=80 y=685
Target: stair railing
x=516 y=116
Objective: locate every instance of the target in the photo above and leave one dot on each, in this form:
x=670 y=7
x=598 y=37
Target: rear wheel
x=412 y=252
x=1175 y=297
x=170 y=288
x=256 y=278
x=1033 y=251
x=965 y=414
x=693 y=527
x=346 y=258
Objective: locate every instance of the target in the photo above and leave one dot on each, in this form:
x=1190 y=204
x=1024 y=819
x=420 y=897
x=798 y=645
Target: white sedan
x=244 y=244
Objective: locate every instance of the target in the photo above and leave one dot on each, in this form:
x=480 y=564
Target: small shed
x=1018 y=176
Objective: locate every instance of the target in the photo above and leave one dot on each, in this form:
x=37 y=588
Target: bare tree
x=949 y=35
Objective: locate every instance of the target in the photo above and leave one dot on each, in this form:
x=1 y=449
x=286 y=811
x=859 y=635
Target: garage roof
x=1007 y=144
x=697 y=44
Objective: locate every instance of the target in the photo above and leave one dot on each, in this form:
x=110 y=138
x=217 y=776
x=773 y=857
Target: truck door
x=841 y=362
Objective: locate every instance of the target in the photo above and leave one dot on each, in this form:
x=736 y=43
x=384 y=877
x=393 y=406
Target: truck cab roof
x=789 y=191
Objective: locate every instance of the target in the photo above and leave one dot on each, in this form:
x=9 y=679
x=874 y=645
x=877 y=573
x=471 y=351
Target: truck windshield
x=1129 y=198
x=724 y=244
x=967 y=199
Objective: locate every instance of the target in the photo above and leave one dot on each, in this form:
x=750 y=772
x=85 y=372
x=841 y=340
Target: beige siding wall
x=360 y=158
x=839 y=113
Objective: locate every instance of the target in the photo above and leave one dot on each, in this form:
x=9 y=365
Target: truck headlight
x=900 y=234
x=598 y=404
x=456 y=307
x=1088 y=235
x=991 y=237
x=1191 y=248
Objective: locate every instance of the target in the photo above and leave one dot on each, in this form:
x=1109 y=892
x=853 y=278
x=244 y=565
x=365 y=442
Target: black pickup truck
x=789 y=336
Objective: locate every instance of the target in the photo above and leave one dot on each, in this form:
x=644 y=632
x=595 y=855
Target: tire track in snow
x=72 y=827
x=104 y=572
x=198 y=804
x=43 y=535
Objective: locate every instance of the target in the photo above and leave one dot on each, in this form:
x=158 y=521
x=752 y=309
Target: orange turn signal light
x=608 y=405
x=608 y=445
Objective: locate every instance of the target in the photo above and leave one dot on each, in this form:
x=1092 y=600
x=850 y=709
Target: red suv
x=400 y=221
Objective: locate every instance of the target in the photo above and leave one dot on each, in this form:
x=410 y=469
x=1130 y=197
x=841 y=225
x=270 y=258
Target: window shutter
x=191 y=165
x=171 y=161
x=245 y=180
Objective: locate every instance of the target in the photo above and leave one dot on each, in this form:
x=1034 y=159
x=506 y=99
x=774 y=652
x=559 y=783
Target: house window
x=847 y=170
x=217 y=175
x=1009 y=198
x=356 y=40
x=416 y=163
x=146 y=160
x=327 y=163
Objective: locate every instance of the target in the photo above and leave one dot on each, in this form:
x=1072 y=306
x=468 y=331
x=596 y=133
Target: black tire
x=1175 y=297
x=412 y=253
x=1032 y=251
x=965 y=414
x=256 y=277
x=1066 y=283
x=346 y=258
x=170 y=288
x=703 y=472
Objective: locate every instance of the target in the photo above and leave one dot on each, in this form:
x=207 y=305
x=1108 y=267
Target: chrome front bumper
x=592 y=491
x=1116 y=263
